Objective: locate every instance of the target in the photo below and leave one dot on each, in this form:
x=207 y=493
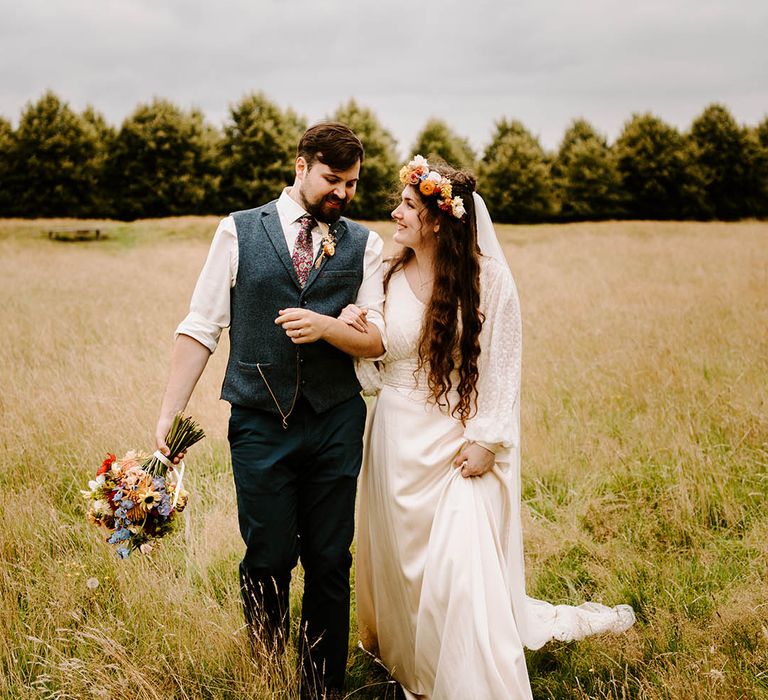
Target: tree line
x=165 y=161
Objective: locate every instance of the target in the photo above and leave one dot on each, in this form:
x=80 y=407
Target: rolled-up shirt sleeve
x=209 y=310
x=371 y=292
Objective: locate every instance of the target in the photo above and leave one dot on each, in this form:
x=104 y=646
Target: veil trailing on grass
x=539 y=621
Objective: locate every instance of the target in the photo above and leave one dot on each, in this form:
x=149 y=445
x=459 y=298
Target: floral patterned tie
x=302 y=251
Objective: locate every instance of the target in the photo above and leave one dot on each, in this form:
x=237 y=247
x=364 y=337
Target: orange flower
x=427 y=187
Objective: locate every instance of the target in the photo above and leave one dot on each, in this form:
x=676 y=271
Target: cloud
x=469 y=63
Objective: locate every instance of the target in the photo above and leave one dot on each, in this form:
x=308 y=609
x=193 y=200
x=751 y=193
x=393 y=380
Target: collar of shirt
x=290 y=211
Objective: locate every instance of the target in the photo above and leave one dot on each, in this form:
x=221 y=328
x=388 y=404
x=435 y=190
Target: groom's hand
x=302 y=325
x=474 y=460
x=163 y=426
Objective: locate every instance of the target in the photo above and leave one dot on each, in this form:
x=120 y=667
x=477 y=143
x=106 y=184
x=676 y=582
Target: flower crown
x=431 y=183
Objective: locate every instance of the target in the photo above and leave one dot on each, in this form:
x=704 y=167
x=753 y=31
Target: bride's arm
x=495 y=426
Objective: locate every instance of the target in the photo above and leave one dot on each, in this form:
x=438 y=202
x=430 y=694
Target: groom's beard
x=328 y=209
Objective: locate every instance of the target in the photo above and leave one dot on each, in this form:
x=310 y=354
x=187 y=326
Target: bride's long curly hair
x=450 y=333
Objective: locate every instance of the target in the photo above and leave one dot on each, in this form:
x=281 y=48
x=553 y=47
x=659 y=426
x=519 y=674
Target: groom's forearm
x=351 y=341
x=188 y=361
x=304 y=326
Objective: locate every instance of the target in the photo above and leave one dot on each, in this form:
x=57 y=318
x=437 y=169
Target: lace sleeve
x=496 y=422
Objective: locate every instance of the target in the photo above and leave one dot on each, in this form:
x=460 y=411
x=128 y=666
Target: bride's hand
x=474 y=460
x=355 y=316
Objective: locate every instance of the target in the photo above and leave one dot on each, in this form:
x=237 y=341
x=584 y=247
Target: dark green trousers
x=296 y=500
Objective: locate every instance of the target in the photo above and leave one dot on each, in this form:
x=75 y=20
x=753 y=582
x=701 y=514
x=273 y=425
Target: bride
x=439 y=571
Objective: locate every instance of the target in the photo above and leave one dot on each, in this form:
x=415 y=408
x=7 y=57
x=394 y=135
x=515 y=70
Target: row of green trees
x=164 y=160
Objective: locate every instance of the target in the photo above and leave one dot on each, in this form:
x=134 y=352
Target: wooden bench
x=74 y=234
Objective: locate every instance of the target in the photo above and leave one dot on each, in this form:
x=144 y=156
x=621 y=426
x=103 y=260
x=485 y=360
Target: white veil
x=486 y=233
x=539 y=621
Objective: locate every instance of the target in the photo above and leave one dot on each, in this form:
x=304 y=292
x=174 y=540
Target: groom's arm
x=198 y=334
x=188 y=361
x=303 y=326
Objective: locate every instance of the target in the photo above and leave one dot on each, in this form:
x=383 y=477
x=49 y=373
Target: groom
x=278 y=276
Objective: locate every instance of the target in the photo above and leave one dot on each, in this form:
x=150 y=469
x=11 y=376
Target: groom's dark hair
x=333 y=144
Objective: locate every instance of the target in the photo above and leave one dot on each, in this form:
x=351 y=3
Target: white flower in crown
x=419 y=161
x=457 y=207
x=434 y=175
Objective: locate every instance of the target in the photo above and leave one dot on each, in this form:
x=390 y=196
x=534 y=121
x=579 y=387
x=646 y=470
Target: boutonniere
x=328 y=247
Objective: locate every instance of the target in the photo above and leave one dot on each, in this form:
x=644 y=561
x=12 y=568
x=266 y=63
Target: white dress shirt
x=209 y=310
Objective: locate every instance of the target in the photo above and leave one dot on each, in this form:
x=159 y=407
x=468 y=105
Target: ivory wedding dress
x=439 y=558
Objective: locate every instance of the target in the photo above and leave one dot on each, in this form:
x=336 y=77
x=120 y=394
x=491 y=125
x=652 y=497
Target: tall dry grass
x=645 y=455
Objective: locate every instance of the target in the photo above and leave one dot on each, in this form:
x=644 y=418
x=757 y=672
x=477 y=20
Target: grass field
x=645 y=464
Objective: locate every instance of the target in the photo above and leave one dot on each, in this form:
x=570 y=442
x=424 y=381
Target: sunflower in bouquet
x=137 y=499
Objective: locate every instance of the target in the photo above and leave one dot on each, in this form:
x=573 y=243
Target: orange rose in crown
x=427 y=187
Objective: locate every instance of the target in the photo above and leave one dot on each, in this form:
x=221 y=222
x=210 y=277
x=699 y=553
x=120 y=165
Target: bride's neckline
x=410 y=288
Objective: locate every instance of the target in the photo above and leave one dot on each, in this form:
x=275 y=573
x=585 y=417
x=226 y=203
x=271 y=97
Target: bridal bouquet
x=136 y=499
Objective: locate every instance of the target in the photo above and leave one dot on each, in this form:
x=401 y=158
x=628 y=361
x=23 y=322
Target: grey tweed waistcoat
x=266 y=370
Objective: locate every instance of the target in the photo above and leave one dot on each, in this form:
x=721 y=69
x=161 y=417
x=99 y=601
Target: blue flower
x=123 y=552
x=122 y=534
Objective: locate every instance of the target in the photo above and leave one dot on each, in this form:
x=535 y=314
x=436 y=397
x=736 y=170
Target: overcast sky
x=469 y=62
